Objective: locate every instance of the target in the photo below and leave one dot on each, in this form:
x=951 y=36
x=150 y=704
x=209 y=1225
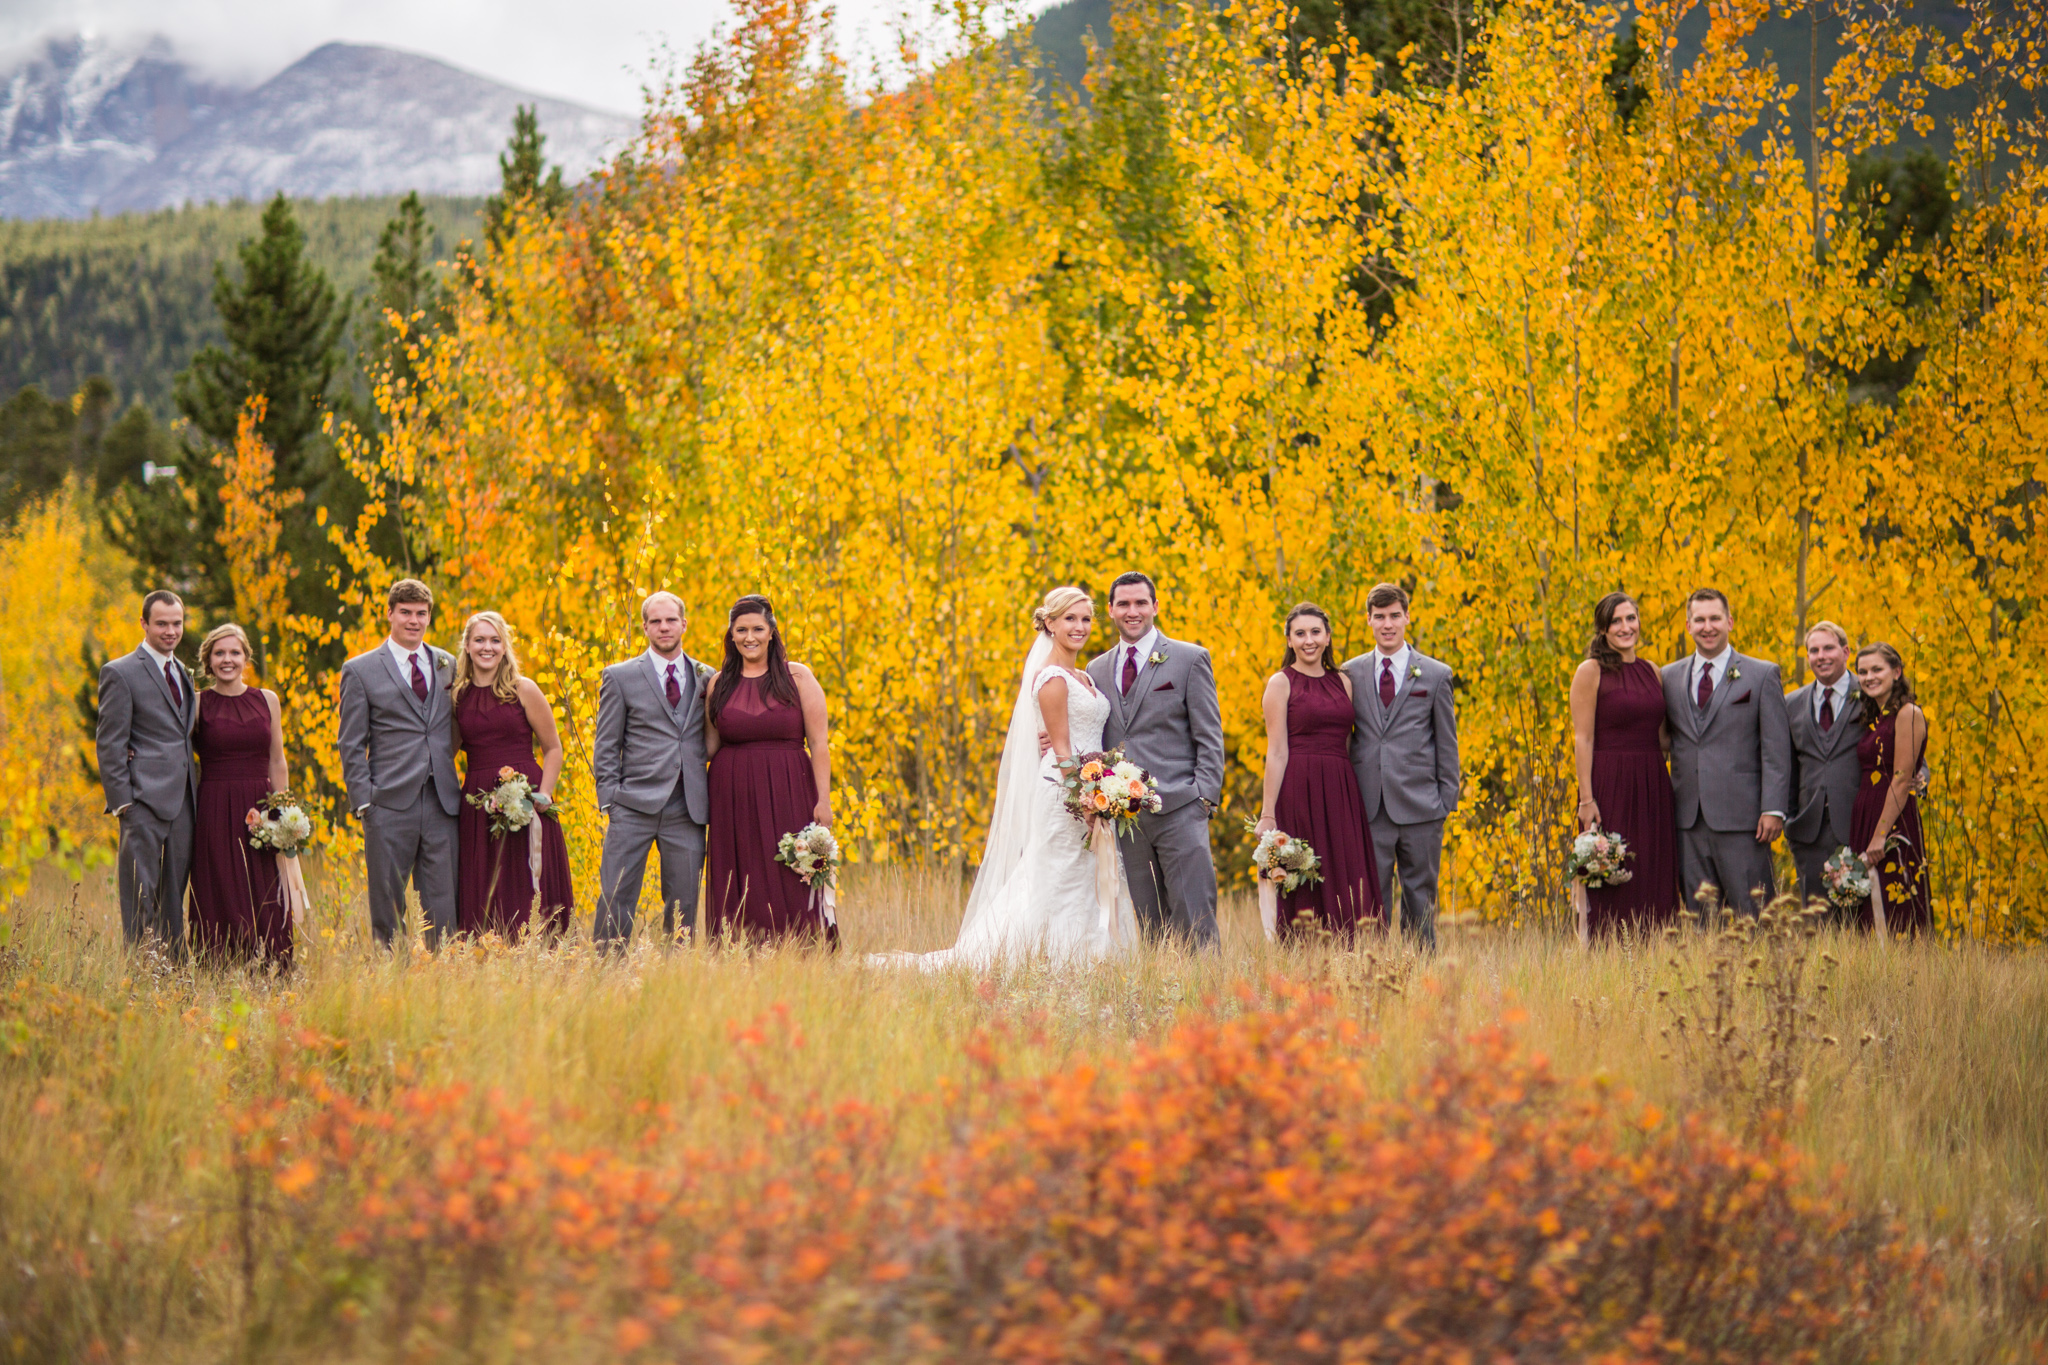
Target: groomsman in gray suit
x=144 y=740
x=1825 y=718
x=398 y=762
x=649 y=765
x=1164 y=716
x=1731 y=760
x=1404 y=749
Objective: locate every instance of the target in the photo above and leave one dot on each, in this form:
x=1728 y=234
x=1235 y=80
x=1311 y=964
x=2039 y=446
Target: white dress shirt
x=686 y=677
x=1840 y=688
x=1125 y=650
x=1718 y=666
x=1399 y=658
x=406 y=656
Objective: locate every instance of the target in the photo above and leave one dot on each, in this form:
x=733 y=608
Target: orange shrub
x=1233 y=1194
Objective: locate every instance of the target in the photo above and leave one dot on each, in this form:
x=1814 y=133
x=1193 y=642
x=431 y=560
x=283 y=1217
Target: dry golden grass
x=118 y=1074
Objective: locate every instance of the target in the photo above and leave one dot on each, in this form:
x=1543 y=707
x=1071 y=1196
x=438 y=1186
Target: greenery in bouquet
x=1107 y=786
x=1597 y=858
x=513 y=804
x=812 y=853
x=279 y=824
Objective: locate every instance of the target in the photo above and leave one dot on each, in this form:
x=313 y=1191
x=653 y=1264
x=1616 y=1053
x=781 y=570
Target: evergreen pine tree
x=527 y=181
x=402 y=281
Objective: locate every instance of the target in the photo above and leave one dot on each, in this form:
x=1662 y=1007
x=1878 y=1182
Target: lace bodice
x=1087 y=710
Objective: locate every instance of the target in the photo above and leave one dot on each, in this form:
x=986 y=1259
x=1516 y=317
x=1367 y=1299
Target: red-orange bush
x=1236 y=1193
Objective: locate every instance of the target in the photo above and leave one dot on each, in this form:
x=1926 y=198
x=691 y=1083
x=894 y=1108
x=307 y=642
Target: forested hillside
x=130 y=298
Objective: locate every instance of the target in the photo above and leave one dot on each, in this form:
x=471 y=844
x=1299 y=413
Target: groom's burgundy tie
x=1706 y=685
x=1130 y=669
x=1827 y=710
x=1386 y=682
x=177 y=691
x=675 y=691
x=419 y=679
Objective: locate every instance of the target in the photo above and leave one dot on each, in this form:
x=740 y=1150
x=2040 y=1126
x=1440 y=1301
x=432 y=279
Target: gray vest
x=1732 y=762
x=644 y=747
x=1169 y=723
x=1405 y=756
x=392 y=743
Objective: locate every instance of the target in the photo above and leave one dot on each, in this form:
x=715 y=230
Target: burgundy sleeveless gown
x=238 y=908
x=761 y=789
x=494 y=891
x=1319 y=802
x=1633 y=789
x=1902 y=873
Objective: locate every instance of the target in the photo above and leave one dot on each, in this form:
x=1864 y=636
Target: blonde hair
x=1831 y=628
x=1056 y=604
x=505 y=686
x=226 y=630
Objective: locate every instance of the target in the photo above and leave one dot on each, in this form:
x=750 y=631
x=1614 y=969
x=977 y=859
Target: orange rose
x=507 y=774
x=1090 y=771
x=1101 y=800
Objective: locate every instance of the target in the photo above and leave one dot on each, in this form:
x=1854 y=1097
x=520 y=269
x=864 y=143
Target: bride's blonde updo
x=1056 y=604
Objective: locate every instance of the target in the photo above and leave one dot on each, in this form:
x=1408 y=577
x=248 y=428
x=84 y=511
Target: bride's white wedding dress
x=1041 y=887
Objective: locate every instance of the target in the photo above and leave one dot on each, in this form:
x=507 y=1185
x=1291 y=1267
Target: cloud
x=595 y=52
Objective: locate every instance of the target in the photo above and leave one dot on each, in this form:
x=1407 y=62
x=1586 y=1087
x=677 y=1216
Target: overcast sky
x=593 y=51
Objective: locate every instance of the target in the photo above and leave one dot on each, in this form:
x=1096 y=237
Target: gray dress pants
x=156 y=864
x=1172 y=876
x=1416 y=853
x=1732 y=861
x=628 y=836
x=416 y=844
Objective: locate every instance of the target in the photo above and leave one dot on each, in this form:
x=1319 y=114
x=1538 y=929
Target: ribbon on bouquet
x=533 y=854
x=1102 y=839
x=825 y=905
x=1269 y=909
x=293 y=883
x=1877 y=908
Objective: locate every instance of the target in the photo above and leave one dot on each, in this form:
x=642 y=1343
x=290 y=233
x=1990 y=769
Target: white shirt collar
x=1839 y=687
x=681 y=663
x=1716 y=665
x=405 y=658
x=1145 y=646
x=1399 y=658
x=161 y=659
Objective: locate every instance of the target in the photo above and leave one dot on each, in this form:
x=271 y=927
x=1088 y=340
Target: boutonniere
x=704 y=671
x=1733 y=674
x=1415 y=670
x=1158 y=656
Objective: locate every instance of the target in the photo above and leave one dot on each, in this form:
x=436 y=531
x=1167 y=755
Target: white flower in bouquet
x=1847 y=878
x=812 y=853
x=1109 y=787
x=1596 y=858
x=279 y=823
x=513 y=804
x=1285 y=860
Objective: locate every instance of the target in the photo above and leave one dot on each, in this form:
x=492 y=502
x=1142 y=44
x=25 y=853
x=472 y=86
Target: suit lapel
x=1382 y=716
x=1141 y=685
x=425 y=708
x=657 y=681
x=1688 y=714
x=1404 y=687
x=1845 y=720
x=163 y=689
x=1729 y=682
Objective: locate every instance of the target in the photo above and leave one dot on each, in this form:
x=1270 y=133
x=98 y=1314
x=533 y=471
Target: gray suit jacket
x=1734 y=763
x=144 y=742
x=1405 y=755
x=642 y=746
x=1170 y=724
x=391 y=741
x=1824 y=768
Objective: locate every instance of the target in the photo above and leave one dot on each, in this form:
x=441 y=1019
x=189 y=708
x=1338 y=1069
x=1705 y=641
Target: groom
x=1164 y=716
x=144 y=740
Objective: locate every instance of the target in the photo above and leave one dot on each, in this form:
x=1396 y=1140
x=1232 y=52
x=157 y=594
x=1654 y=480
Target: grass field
x=154 y=1205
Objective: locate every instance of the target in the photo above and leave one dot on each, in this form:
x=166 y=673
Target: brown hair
x=505 y=684
x=1385 y=595
x=409 y=590
x=1710 y=595
x=1307 y=609
x=781 y=682
x=160 y=595
x=1902 y=690
x=1597 y=649
x=223 y=631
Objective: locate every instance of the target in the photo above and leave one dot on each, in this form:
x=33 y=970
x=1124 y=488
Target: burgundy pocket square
x=1164 y=687
x=1421 y=691
x=1742 y=700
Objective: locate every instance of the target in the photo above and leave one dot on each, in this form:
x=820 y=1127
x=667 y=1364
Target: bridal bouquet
x=1284 y=860
x=1847 y=878
x=812 y=853
x=513 y=804
x=1596 y=859
x=279 y=824
x=1108 y=787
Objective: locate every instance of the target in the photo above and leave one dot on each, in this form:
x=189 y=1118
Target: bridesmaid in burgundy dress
x=1620 y=742
x=1311 y=790
x=763 y=710
x=238 y=901
x=499 y=713
x=1886 y=810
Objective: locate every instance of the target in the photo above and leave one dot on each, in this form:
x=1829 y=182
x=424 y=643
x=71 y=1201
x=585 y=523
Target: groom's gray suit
x=398 y=761
x=1825 y=775
x=1406 y=759
x=649 y=766
x=1730 y=764
x=144 y=741
x=1170 y=725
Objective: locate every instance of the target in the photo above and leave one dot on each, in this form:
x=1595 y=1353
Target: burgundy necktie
x=1706 y=685
x=1130 y=668
x=675 y=690
x=419 y=679
x=1386 y=682
x=1827 y=709
x=177 y=692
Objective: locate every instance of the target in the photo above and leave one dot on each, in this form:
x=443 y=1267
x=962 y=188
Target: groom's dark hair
x=1132 y=578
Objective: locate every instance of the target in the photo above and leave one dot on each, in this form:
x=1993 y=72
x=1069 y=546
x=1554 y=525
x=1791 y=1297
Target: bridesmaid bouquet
x=1108 y=787
x=812 y=853
x=1596 y=859
x=1284 y=860
x=1847 y=878
x=279 y=824
x=513 y=804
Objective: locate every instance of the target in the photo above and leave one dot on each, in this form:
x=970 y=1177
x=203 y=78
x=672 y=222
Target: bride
x=1047 y=883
